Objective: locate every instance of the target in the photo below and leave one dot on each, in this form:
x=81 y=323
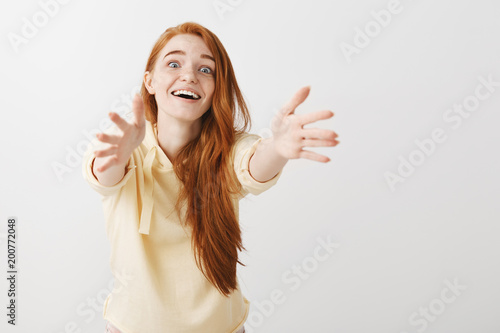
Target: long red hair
x=204 y=167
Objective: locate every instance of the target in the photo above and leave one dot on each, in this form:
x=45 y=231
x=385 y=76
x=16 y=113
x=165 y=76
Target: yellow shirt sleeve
x=244 y=148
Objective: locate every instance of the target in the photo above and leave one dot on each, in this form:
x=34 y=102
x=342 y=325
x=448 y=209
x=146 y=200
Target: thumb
x=296 y=100
x=138 y=110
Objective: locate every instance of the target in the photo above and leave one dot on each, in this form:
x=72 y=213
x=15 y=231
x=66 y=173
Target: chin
x=185 y=115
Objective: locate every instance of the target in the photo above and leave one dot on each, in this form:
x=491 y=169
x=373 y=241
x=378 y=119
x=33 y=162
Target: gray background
x=396 y=248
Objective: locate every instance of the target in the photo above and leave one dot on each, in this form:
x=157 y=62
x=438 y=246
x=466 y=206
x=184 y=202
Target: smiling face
x=183 y=78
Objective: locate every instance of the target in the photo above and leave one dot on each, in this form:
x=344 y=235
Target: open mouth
x=185 y=94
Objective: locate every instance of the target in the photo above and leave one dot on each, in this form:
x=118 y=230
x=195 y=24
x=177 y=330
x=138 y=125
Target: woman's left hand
x=289 y=136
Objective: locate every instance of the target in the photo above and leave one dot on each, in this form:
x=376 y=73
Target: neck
x=173 y=134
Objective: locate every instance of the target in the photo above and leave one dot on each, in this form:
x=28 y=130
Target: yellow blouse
x=164 y=291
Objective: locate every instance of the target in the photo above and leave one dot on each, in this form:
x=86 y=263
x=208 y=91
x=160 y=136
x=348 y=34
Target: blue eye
x=208 y=70
x=172 y=62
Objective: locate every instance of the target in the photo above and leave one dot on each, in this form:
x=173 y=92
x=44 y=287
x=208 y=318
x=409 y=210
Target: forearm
x=266 y=162
x=110 y=176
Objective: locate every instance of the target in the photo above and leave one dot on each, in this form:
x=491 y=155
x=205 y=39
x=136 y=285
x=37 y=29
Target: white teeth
x=185 y=92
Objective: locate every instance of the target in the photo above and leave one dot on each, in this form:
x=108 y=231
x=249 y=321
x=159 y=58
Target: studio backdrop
x=399 y=232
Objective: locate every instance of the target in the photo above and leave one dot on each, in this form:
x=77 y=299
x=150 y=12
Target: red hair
x=207 y=175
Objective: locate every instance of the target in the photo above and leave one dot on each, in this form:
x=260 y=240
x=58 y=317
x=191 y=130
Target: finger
x=138 y=109
x=308 y=118
x=296 y=100
x=319 y=143
x=318 y=133
x=314 y=156
x=106 y=152
x=119 y=121
x=108 y=138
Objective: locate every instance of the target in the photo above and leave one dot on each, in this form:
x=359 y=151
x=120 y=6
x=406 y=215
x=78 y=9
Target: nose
x=188 y=75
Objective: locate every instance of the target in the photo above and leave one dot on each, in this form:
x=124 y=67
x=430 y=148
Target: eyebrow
x=203 y=56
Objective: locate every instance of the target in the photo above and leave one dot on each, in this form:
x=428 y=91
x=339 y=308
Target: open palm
x=120 y=146
x=289 y=136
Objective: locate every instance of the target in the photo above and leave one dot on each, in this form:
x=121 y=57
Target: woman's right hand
x=110 y=162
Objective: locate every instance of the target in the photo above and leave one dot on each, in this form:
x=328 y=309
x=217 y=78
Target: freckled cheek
x=209 y=95
x=164 y=80
x=209 y=88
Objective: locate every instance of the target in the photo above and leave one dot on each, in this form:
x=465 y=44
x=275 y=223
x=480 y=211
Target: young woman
x=170 y=181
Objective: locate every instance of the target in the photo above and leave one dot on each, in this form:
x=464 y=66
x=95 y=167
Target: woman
x=170 y=181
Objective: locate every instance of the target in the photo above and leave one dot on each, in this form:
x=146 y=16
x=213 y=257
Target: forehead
x=191 y=44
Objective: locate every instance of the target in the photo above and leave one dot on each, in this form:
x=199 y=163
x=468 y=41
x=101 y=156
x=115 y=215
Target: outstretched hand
x=290 y=137
x=121 y=146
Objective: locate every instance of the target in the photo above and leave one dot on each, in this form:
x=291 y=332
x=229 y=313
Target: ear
x=148 y=79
